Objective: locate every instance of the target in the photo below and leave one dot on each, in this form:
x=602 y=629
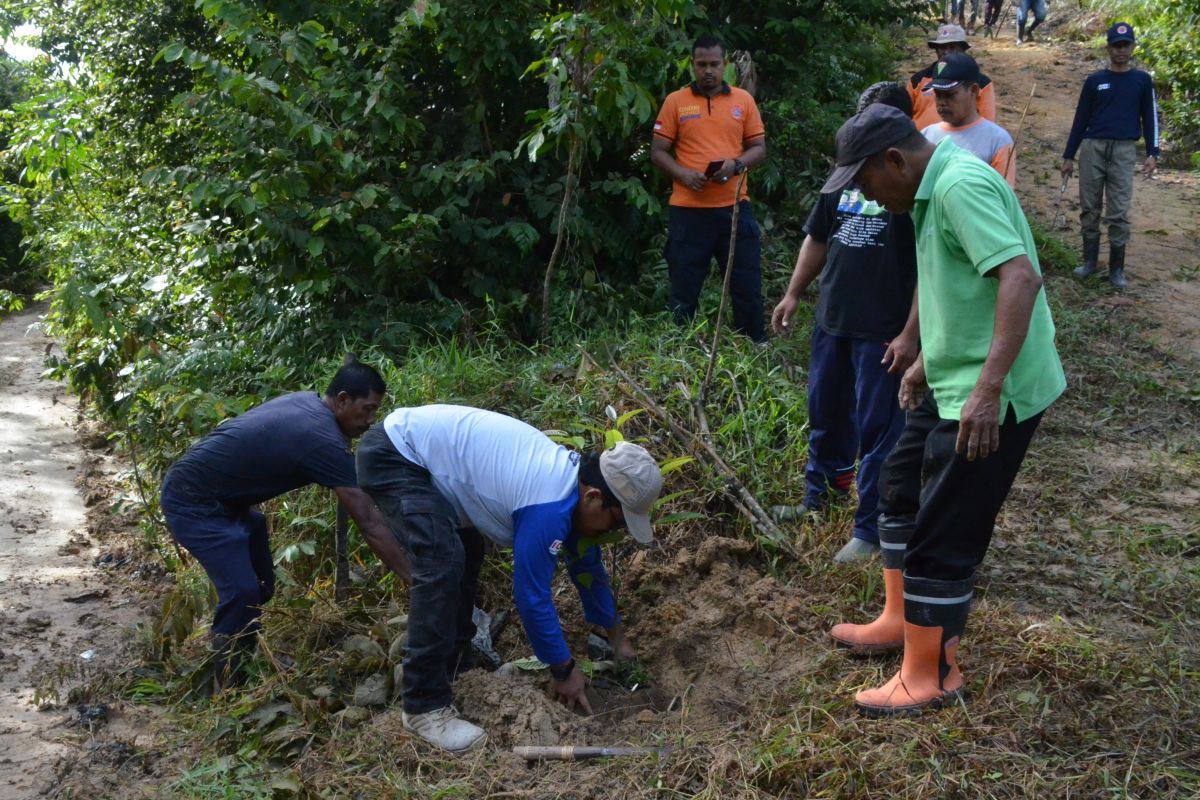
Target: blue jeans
x=445 y=561
x=1039 y=11
x=695 y=236
x=231 y=545
x=854 y=416
x=957 y=9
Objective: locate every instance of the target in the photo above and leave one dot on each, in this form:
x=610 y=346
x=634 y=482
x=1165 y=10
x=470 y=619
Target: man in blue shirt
x=443 y=476
x=209 y=495
x=1116 y=106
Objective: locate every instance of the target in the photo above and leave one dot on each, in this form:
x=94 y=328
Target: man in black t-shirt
x=208 y=495
x=865 y=337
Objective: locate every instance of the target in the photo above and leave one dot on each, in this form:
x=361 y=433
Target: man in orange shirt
x=949 y=39
x=716 y=134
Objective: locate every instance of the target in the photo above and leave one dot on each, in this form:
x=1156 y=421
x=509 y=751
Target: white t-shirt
x=487 y=465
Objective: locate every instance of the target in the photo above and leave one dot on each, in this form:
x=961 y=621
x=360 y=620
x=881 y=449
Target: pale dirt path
x=1163 y=258
x=45 y=557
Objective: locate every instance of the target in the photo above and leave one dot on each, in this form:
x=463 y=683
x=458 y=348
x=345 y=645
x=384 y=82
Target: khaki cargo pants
x=1106 y=170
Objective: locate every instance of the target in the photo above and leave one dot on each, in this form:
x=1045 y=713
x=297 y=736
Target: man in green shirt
x=987 y=372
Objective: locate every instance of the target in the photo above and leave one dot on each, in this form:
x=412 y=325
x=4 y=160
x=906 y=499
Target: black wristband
x=738 y=166
x=563 y=672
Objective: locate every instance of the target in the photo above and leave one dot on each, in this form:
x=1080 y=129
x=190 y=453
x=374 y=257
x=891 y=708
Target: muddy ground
x=1080 y=656
x=65 y=617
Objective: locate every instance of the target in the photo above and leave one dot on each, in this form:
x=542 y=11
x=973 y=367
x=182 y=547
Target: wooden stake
x=577 y=753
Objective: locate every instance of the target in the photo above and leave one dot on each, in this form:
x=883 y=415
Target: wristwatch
x=738 y=166
x=562 y=672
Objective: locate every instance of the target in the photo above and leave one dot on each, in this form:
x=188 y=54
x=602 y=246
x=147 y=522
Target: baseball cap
x=950 y=34
x=954 y=69
x=1120 y=32
x=635 y=480
x=872 y=130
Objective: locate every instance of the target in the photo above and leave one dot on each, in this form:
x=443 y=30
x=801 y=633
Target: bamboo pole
x=742 y=498
x=712 y=357
x=1017 y=138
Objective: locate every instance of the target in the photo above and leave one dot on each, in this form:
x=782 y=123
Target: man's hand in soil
x=913 y=386
x=1149 y=166
x=572 y=691
x=979 y=424
x=1068 y=167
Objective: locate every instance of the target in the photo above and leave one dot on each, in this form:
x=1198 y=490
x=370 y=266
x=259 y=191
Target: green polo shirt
x=968 y=222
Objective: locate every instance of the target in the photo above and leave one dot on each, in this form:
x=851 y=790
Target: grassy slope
x=1080 y=654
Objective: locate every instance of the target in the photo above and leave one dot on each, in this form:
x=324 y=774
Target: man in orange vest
x=949 y=39
x=716 y=134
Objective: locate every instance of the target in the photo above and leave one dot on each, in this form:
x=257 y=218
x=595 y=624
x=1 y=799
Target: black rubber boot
x=1020 y=33
x=1116 y=266
x=1091 y=254
x=1032 y=28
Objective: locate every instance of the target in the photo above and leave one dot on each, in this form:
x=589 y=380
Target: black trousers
x=695 y=236
x=446 y=560
x=953 y=501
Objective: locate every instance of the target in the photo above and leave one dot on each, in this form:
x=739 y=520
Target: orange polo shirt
x=920 y=91
x=704 y=129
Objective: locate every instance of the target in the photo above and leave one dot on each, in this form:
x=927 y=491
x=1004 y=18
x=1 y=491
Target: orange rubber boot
x=918 y=685
x=886 y=633
x=935 y=614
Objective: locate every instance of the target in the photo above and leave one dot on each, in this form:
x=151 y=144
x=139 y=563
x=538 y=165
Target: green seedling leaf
x=674 y=464
x=530 y=664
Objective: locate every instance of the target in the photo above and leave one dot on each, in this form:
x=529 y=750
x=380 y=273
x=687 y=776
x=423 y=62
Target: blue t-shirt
x=518 y=488
x=1115 y=105
x=281 y=445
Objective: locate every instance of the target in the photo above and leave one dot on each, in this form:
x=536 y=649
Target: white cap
x=634 y=478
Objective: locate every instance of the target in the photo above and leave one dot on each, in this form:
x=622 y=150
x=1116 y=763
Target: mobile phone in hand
x=713 y=168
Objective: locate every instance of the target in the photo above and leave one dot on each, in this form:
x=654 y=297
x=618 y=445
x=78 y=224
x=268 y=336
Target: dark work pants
x=954 y=501
x=445 y=560
x=853 y=415
x=234 y=551
x=695 y=236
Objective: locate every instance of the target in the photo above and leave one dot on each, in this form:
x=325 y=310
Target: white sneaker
x=445 y=728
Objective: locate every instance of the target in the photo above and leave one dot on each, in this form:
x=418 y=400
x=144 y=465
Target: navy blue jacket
x=1115 y=105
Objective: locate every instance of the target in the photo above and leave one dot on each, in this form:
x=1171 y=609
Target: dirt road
x=59 y=619
x=1163 y=257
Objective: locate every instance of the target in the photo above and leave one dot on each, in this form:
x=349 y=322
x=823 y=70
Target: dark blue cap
x=954 y=69
x=1120 y=32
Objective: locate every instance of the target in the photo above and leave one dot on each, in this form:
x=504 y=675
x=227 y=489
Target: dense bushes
x=229 y=194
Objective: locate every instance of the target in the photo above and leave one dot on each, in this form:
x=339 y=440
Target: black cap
x=954 y=69
x=1120 y=32
x=873 y=130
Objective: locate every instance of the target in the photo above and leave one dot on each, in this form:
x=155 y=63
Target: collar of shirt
x=697 y=91
x=932 y=170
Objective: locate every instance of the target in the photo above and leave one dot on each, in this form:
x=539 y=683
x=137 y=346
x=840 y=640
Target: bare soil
x=64 y=620
x=1163 y=261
